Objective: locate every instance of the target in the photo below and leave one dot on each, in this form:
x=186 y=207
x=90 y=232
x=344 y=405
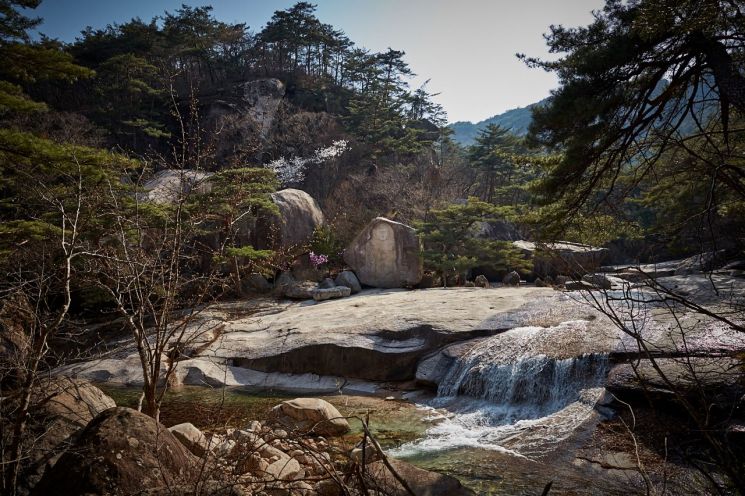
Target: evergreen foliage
x=451 y=246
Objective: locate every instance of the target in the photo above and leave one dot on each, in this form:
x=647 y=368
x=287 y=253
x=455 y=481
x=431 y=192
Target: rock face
x=167 y=185
x=348 y=279
x=385 y=255
x=263 y=97
x=314 y=414
x=562 y=257
x=299 y=216
x=121 y=451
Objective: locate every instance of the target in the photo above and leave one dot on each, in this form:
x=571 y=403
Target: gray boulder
x=321 y=294
x=481 y=281
x=327 y=283
x=511 y=279
x=299 y=215
x=348 y=279
x=121 y=451
x=256 y=282
x=385 y=255
x=191 y=437
x=300 y=290
x=312 y=414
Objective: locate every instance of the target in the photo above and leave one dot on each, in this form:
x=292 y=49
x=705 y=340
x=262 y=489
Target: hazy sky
x=465 y=47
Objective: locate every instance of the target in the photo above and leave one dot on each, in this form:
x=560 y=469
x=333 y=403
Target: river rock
x=120 y=452
x=348 y=279
x=316 y=415
x=481 y=281
x=419 y=480
x=385 y=255
x=327 y=283
x=191 y=437
x=331 y=293
x=511 y=279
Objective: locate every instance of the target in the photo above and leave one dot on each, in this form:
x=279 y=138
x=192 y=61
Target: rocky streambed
x=505 y=388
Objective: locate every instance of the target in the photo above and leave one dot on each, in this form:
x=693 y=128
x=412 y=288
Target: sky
x=465 y=48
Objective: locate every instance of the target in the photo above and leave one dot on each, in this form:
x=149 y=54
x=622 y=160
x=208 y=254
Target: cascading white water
x=517 y=392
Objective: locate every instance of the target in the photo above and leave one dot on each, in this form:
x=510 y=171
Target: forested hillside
x=517 y=121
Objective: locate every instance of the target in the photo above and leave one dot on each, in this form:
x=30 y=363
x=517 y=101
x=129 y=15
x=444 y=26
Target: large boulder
x=562 y=257
x=60 y=407
x=299 y=215
x=121 y=451
x=316 y=415
x=386 y=255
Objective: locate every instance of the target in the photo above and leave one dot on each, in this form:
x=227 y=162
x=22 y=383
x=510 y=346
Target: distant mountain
x=516 y=120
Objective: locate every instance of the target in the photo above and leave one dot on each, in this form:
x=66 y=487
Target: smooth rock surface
x=376 y=335
x=385 y=255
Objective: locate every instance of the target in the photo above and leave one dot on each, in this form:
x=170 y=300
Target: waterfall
x=524 y=391
x=538 y=383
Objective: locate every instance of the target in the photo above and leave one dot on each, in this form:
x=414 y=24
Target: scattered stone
x=386 y=255
x=704 y=262
x=579 y=286
x=540 y=283
x=511 y=279
x=191 y=437
x=331 y=293
x=481 y=281
x=470 y=284
x=313 y=414
x=301 y=290
x=348 y=279
x=254 y=426
x=390 y=398
x=257 y=283
x=371 y=455
x=282 y=282
x=327 y=283
x=561 y=280
x=597 y=280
